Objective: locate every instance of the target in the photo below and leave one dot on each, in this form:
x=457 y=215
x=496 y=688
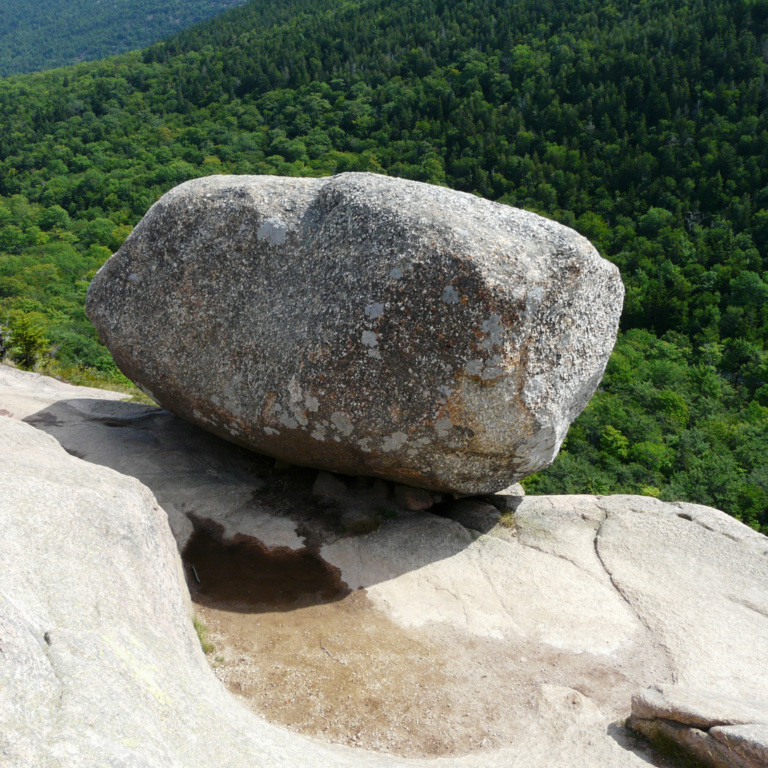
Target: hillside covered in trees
x=642 y=125
x=42 y=34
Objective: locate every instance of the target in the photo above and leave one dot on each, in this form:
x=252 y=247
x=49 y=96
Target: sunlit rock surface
x=363 y=324
x=540 y=633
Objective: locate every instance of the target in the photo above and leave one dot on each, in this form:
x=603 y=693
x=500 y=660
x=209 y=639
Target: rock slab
x=572 y=605
x=722 y=731
x=363 y=325
x=100 y=664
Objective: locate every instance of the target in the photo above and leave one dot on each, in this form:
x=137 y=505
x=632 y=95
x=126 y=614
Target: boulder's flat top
x=536 y=634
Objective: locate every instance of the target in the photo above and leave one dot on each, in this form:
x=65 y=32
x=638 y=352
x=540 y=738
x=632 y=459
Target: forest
x=640 y=124
x=43 y=34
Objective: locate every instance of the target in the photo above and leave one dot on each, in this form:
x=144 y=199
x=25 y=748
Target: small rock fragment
x=329 y=485
x=506 y=500
x=749 y=741
x=413 y=499
x=516 y=489
x=503 y=503
x=702 y=709
x=473 y=514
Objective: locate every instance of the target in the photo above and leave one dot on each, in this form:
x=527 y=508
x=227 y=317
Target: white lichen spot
x=374 y=310
x=443 y=427
x=294 y=398
x=533 y=301
x=342 y=423
x=394 y=442
x=319 y=433
x=370 y=339
x=271 y=431
x=364 y=445
x=473 y=367
x=287 y=420
x=273 y=232
x=231 y=402
x=311 y=403
x=374 y=353
x=396 y=273
x=294 y=390
x=450 y=295
x=201 y=417
x=493 y=368
x=493 y=327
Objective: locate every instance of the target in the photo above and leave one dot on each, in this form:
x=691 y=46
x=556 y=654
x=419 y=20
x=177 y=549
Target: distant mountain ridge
x=43 y=34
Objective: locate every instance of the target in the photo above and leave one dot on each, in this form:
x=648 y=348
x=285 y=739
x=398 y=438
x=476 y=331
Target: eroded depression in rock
x=245 y=576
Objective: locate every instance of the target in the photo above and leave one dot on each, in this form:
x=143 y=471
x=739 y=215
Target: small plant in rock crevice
x=507 y=519
x=202 y=635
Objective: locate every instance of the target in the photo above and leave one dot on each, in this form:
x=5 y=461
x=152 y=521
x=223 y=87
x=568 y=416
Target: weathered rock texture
x=362 y=324
x=721 y=731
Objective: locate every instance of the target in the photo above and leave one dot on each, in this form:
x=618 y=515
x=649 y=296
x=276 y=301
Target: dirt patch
x=304 y=651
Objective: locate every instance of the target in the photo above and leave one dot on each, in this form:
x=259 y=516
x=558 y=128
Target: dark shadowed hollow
x=242 y=575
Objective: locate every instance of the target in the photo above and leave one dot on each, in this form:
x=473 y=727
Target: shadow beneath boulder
x=227 y=504
x=639 y=746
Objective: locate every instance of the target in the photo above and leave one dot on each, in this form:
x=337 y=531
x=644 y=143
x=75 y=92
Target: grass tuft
x=202 y=635
x=507 y=519
x=90 y=377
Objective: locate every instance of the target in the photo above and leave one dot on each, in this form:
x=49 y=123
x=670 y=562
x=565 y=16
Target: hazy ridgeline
x=42 y=34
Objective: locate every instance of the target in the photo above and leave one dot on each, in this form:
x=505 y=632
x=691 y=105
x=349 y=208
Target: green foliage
x=90 y=377
x=27 y=339
x=45 y=266
x=41 y=34
x=202 y=635
x=643 y=125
